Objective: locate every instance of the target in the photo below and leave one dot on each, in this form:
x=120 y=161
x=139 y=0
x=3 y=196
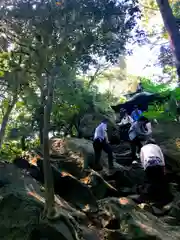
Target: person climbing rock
x=135 y=115
x=152 y=160
x=125 y=125
x=139 y=131
x=100 y=143
x=127 y=119
x=153 y=163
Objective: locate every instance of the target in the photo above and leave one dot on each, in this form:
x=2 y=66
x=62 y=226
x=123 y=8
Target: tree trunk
x=41 y=123
x=41 y=114
x=23 y=143
x=48 y=177
x=6 y=118
x=172 y=28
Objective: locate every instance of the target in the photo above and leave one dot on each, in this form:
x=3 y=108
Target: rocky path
x=93 y=205
x=119 y=215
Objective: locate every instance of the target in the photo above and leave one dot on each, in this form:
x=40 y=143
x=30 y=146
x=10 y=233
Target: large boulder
x=78 y=148
x=122 y=219
x=71 y=192
x=21 y=205
x=22 y=202
x=84 y=149
x=167 y=135
x=126 y=178
x=88 y=125
x=90 y=121
x=99 y=187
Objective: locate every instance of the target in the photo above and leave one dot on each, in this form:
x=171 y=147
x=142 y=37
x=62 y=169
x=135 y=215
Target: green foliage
x=10 y=150
x=56 y=43
x=167 y=109
x=20 y=123
x=74 y=100
x=176 y=93
x=149 y=86
x=122 y=99
x=158 y=113
x=176 y=9
x=104 y=35
x=158 y=35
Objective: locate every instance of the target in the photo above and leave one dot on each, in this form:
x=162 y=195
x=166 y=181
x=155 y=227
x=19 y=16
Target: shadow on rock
x=68 y=187
x=126 y=178
x=99 y=187
x=71 y=189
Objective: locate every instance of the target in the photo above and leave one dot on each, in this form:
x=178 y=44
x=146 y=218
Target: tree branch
x=147 y=7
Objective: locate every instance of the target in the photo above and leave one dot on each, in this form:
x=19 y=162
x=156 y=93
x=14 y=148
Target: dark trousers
x=158 y=186
x=124 y=131
x=135 y=147
x=155 y=174
x=98 y=147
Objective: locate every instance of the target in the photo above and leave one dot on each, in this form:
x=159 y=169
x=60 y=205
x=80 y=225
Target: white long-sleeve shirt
x=101 y=131
x=136 y=130
x=151 y=155
x=126 y=120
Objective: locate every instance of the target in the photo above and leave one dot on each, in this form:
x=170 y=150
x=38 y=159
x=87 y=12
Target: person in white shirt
x=153 y=163
x=139 y=131
x=100 y=143
x=151 y=155
x=127 y=119
x=124 y=125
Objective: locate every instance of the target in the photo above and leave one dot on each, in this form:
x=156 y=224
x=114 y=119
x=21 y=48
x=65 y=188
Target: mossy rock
x=125 y=220
x=19 y=215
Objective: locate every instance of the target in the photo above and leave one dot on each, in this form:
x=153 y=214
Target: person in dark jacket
x=139 y=131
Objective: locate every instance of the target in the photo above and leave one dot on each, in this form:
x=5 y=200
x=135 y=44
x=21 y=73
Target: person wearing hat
x=138 y=132
x=135 y=115
x=101 y=142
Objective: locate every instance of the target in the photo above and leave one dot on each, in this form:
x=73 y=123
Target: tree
x=49 y=208
x=159 y=35
x=12 y=83
x=172 y=28
x=57 y=41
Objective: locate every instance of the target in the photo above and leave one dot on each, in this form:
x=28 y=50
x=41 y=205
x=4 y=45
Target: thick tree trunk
x=172 y=28
x=6 y=118
x=48 y=177
x=41 y=114
x=23 y=143
x=41 y=123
